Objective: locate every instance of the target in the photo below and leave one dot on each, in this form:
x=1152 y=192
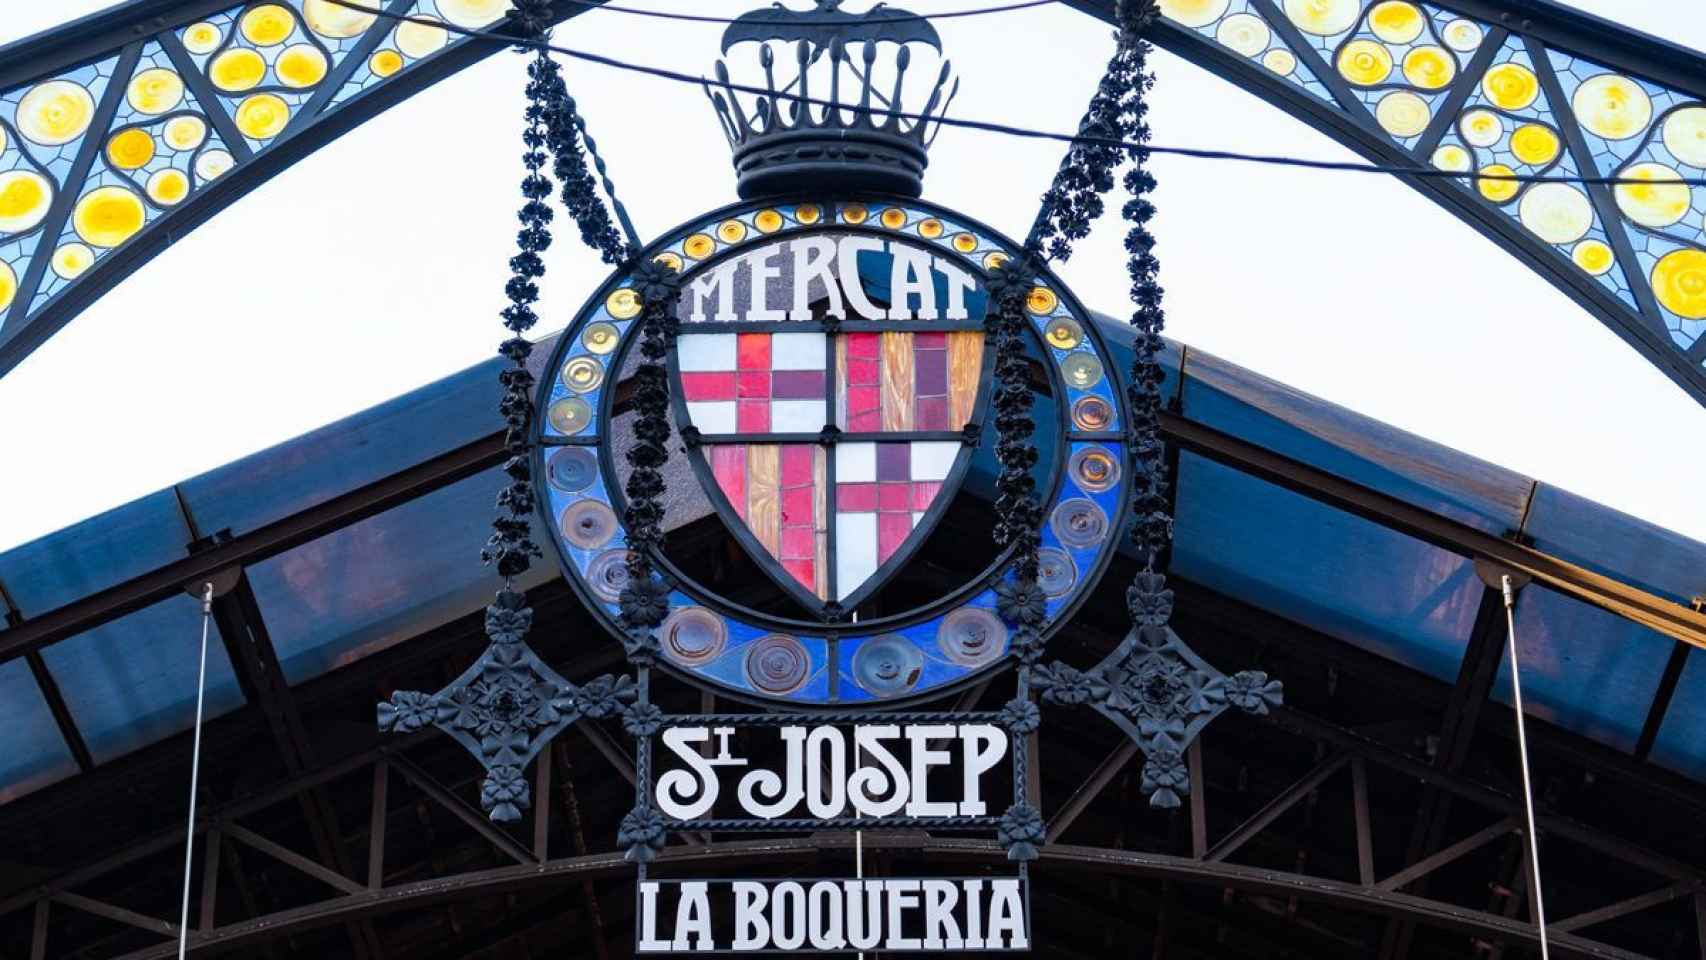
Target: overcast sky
x=377 y=264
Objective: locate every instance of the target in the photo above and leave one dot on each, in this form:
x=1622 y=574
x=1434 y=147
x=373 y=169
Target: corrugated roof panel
x=1331 y=571
x=1616 y=544
x=384 y=580
x=35 y=754
x=1681 y=743
x=133 y=681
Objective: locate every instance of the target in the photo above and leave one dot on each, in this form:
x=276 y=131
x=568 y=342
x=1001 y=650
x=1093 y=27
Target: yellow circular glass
x=237 y=69
x=1243 y=33
x=1679 y=281
x=807 y=213
x=569 y=415
x=130 y=149
x=1482 y=128
x=70 y=260
x=262 y=116
x=1556 y=212
x=600 y=338
x=1535 y=144
x=213 y=164
x=417 y=39
x=1452 y=157
x=1323 y=18
x=107 y=216
x=1462 y=35
x=336 y=21
x=1612 y=106
x=965 y=242
x=202 y=37
x=768 y=221
x=267 y=25
x=669 y=260
x=930 y=229
x=894 y=218
x=731 y=231
x=1365 y=63
x=1193 y=13
x=1498 y=191
x=55 y=112
x=155 y=91
x=854 y=213
x=699 y=246
x=25 y=196
x=8 y=285
x=1510 y=86
x=301 y=65
x=1041 y=301
x=1282 y=62
x=583 y=374
x=1657 y=203
x=385 y=63
x=1396 y=21
x=473 y=13
x=1685 y=135
x=1429 y=67
x=624 y=303
x=1402 y=113
x=1063 y=333
x=994 y=260
x=1082 y=370
x=168 y=187
x=1593 y=256
x=185 y=133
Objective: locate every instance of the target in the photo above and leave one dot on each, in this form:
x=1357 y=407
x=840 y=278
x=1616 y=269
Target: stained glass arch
x=121 y=132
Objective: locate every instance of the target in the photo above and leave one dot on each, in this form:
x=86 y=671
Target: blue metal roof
x=385 y=579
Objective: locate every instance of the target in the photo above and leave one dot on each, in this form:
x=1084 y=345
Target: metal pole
x=195 y=770
x=1527 y=783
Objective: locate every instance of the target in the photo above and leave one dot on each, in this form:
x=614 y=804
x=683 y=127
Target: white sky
x=376 y=265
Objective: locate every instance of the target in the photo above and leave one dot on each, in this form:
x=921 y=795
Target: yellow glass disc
x=1556 y=212
x=8 y=285
x=1450 y=156
x=583 y=374
x=262 y=116
x=623 y=304
x=600 y=338
x=213 y=164
x=155 y=90
x=1511 y=86
x=1322 y=17
x=894 y=218
x=994 y=260
x=1429 y=67
x=1679 y=281
x=807 y=213
x=168 y=187
x=1482 y=128
x=1245 y=33
x=1592 y=256
x=1498 y=191
x=965 y=242
x=669 y=260
x=854 y=213
x=185 y=133
x=202 y=37
x=731 y=231
x=130 y=149
x=1534 y=144
x=1193 y=13
x=1612 y=106
x=237 y=69
x=930 y=229
x=301 y=65
x=699 y=246
x=2 y=139
x=768 y=221
x=267 y=25
x=107 y=216
x=385 y=62
x=1403 y=114
x=1395 y=21
x=1365 y=63
x=1063 y=333
x=55 y=112
x=1685 y=135
x=1657 y=203
x=70 y=260
x=1462 y=35
x=25 y=196
x=1041 y=301
x=1282 y=62
x=329 y=19
x=472 y=13
x=417 y=39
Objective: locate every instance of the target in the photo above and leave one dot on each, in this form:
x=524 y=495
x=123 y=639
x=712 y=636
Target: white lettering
x=869 y=784
x=824 y=911
x=814 y=259
x=752 y=931
x=910 y=277
x=788 y=915
x=769 y=784
x=686 y=794
x=825 y=800
x=941 y=930
x=923 y=758
x=720 y=281
x=849 y=248
x=1006 y=916
x=903 y=894
x=649 y=918
x=693 y=917
x=974 y=914
x=959 y=282
x=864 y=913
x=760 y=262
x=978 y=761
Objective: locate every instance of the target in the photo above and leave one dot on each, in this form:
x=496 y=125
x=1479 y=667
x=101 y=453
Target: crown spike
x=943 y=112
x=902 y=60
x=734 y=101
x=865 y=117
x=767 y=58
x=832 y=113
x=802 y=106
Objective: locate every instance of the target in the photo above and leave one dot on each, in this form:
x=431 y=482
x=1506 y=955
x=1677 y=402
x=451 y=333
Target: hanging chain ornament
x=509 y=704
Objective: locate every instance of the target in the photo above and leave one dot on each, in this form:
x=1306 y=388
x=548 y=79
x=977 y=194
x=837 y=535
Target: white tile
x=712 y=416
x=855 y=551
x=855 y=463
x=796 y=416
x=705 y=352
x=917 y=518
x=933 y=459
x=797 y=351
